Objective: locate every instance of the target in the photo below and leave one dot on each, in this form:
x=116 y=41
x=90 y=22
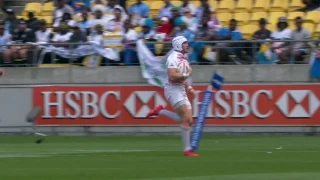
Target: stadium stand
x=279 y=6
x=242 y=18
x=295 y=4
x=242 y=6
x=261 y=6
x=226 y=6
x=246 y=12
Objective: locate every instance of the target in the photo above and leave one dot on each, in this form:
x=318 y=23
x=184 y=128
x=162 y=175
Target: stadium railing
x=236 y=52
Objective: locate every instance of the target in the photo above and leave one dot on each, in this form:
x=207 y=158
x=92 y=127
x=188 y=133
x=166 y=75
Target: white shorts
x=176 y=96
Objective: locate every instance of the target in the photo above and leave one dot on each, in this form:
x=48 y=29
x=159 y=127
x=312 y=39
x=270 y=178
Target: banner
x=270 y=104
x=81 y=51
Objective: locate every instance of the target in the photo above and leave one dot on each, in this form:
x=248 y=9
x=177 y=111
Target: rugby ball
x=183 y=67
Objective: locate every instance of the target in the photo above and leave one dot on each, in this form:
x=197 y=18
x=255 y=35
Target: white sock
x=170 y=115
x=185 y=133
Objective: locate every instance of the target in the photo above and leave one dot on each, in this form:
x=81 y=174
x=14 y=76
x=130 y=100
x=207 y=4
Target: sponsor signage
x=272 y=104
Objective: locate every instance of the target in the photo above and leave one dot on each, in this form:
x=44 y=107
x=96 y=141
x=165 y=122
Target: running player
x=175 y=93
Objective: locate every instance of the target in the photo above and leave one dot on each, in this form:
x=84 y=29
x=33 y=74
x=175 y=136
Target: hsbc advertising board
x=269 y=104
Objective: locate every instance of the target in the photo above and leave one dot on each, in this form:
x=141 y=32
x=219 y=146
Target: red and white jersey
x=172 y=62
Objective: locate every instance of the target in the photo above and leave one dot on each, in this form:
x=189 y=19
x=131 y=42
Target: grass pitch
x=159 y=158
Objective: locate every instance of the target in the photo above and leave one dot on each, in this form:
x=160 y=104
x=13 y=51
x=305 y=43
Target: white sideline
x=69 y=153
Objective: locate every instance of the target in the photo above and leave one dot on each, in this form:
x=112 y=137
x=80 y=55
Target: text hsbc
x=91 y=104
x=248 y=105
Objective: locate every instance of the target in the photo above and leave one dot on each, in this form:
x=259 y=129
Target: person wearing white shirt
x=5 y=39
x=97 y=37
x=61 y=9
x=112 y=5
x=43 y=35
x=62 y=38
x=282 y=33
x=64 y=35
x=191 y=21
x=99 y=18
x=129 y=36
x=186 y=4
x=116 y=24
x=66 y=17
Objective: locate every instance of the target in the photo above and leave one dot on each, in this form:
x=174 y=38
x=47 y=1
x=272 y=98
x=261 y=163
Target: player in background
x=175 y=93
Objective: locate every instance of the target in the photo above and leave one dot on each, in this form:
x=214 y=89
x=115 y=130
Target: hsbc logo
x=143 y=97
x=298 y=103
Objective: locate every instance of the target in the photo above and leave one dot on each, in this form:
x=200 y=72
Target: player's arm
x=175 y=76
x=188 y=87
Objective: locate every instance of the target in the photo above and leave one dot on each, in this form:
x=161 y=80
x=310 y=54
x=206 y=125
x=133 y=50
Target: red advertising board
x=264 y=104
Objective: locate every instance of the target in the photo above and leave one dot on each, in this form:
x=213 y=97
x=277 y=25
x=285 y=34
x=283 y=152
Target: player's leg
x=183 y=111
x=159 y=110
x=179 y=101
x=173 y=95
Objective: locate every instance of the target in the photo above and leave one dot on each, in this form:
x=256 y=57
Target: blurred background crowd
x=205 y=23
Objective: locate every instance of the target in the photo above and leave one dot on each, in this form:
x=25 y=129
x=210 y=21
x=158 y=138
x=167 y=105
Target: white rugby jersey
x=172 y=62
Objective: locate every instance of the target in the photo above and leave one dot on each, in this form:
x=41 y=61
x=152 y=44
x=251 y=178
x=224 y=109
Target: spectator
x=300 y=49
x=3 y=15
x=112 y=5
x=282 y=33
x=262 y=33
x=130 y=36
x=77 y=37
x=61 y=9
x=165 y=26
x=65 y=18
x=138 y=11
x=186 y=4
x=43 y=35
x=191 y=22
x=175 y=21
x=11 y=21
x=203 y=9
x=98 y=36
x=63 y=35
x=213 y=21
x=101 y=2
x=310 y=5
x=185 y=32
x=165 y=11
x=99 y=18
x=115 y=24
x=5 y=39
x=22 y=35
x=227 y=50
x=32 y=22
x=147 y=32
x=204 y=33
x=56 y=3
x=263 y=56
x=231 y=33
x=79 y=5
x=84 y=23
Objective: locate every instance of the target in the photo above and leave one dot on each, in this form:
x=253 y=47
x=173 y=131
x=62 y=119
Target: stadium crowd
x=79 y=21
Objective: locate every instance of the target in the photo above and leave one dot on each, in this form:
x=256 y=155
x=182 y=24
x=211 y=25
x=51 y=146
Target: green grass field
x=159 y=158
